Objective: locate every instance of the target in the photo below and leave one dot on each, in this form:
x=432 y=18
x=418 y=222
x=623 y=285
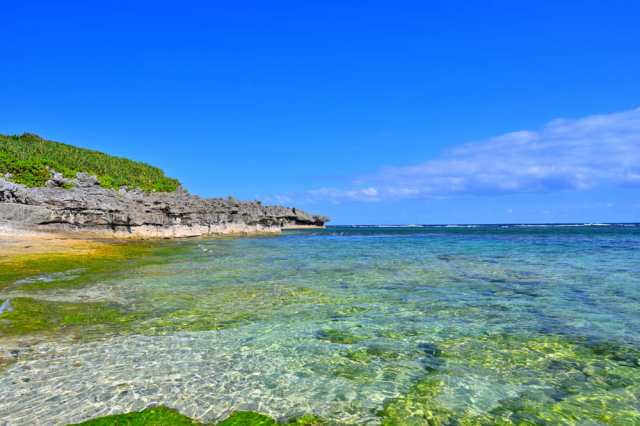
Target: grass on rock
x=29 y=159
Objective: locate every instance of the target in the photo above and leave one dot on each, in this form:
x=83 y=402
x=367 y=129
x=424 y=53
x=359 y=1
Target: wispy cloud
x=362 y=194
x=577 y=155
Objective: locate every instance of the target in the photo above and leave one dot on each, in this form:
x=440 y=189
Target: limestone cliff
x=89 y=208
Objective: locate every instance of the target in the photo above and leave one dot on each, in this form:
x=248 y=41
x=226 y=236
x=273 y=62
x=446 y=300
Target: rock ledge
x=91 y=209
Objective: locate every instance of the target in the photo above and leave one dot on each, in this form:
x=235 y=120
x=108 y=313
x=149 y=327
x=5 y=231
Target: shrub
x=29 y=159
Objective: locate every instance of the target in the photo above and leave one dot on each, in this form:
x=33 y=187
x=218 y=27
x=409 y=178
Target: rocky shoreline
x=82 y=206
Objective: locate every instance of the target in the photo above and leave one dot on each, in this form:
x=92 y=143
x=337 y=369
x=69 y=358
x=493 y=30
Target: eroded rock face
x=87 y=207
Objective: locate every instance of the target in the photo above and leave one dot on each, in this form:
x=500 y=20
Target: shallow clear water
x=461 y=323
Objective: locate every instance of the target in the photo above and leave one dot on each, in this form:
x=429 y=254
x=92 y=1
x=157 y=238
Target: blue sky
x=371 y=112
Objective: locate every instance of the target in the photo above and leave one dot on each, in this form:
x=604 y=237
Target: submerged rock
x=150 y=416
x=166 y=416
x=88 y=207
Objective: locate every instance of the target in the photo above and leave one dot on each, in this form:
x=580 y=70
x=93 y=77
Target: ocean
x=450 y=324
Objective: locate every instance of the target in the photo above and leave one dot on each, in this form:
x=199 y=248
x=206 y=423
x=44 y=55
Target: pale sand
x=14 y=243
x=26 y=242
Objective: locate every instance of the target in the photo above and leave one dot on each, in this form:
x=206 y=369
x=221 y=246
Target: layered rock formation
x=87 y=207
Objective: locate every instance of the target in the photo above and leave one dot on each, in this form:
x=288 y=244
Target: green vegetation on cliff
x=29 y=159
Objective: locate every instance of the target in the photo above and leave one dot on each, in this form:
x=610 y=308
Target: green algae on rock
x=373 y=351
x=155 y=416
x=222 y=307
x=152 y=309
x=248 y=418
x=345 y=337
x=30 y=316
x=567 y=380
x=163 y=416
x=85 y=262
x=34 y=277
x=308 y=420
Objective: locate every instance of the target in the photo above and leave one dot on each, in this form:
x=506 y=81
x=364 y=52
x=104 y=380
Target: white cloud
x=361 y=194
x=566 y=154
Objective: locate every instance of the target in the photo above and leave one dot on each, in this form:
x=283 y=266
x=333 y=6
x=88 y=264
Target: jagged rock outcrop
x=87 y=207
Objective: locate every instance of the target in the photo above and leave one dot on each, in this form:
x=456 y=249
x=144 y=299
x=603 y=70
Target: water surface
x=359 y=326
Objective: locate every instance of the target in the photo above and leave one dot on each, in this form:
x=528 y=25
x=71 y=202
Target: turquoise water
x=418 y=325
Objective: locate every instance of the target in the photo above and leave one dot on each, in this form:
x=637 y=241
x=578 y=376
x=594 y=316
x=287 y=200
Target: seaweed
x=41 y=316
x=163 y=416
x=84 y=263
x=155 y=416
x=553 y=380
x=344 y=337
x=247 y=418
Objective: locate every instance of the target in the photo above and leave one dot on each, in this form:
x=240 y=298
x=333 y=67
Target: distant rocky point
x=89 y=208
x=47 y=200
